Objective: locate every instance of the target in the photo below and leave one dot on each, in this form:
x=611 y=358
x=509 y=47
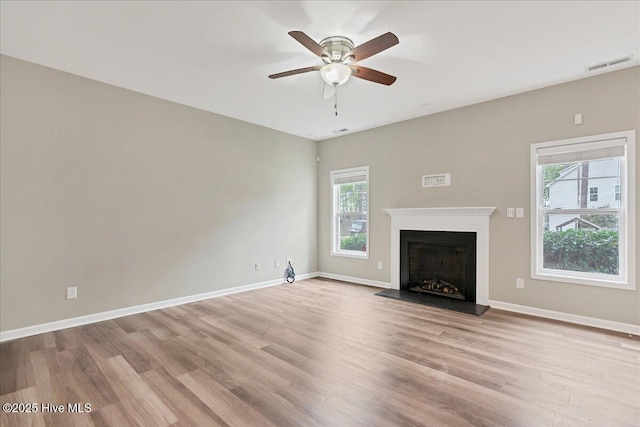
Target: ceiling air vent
x=620 y=60
x=596 y=66
x=340 y=130
x=609 y=63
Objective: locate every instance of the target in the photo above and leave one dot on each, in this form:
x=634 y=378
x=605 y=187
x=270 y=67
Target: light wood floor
x=321 y=352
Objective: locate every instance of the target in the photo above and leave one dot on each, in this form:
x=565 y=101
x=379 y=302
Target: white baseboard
x=112 y=314
x=357 y=280
x=627 y=328
x=120 y=312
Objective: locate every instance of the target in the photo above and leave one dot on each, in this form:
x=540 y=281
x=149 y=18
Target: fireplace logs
x=438 y=287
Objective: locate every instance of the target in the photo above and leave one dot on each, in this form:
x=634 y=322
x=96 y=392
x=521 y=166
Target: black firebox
x=441 y=263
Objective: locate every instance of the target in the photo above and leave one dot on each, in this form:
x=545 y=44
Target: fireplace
x=448 y=258
x=439 y=263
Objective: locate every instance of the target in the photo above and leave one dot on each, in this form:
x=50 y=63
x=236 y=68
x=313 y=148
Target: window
x=349 y=207
x=580 y=234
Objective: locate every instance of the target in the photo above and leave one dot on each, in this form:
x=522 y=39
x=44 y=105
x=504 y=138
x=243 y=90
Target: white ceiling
x=216 y=55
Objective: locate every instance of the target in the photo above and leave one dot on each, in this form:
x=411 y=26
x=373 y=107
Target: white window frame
x=626 y=278
x=335 y=249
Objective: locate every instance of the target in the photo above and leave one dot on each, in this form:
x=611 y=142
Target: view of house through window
x=350 y=234
x=567 y=186
x=581 y=229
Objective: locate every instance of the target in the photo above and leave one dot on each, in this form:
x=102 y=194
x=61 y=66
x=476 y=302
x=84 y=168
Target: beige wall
x=135 y=199
x=486 y=149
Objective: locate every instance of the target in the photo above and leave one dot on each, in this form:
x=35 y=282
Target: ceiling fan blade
x=328 y=91
x=309 y=43
x=372 y=75
x=294 y=72
x=372 y=47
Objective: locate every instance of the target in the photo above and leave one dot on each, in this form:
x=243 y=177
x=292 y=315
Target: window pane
x=352 y=216
x=352 y=229
x=584 y=185
x=352 y=197
x=585 y=243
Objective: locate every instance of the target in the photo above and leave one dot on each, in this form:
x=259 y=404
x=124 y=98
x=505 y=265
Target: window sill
x=602 y=283
x=351 y=255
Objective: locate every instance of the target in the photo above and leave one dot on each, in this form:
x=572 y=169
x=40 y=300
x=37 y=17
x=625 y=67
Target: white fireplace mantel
x=475 y=219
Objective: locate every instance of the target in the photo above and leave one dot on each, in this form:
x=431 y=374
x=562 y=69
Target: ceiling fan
x=339 y=55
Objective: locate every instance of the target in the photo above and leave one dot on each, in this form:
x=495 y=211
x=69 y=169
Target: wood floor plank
x=115 y=414
x=140 y=402
x=16 y=374
x=162 y=350
x=274 y=407
x=233 y=410
x=318 y=406
x=324 y=353
x=572 y=416
x=180 y=400
x=20 y=419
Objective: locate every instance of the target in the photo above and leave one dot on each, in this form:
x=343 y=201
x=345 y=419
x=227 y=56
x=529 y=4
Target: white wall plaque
x=437 y=180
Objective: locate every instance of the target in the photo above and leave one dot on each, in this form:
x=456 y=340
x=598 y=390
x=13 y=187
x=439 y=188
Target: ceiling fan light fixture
x=335 y=74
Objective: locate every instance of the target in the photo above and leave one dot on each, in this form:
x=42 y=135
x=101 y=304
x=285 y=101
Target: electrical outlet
x=72 y=292
x=520 y=283
x=519 y=212
x=257 y=266
x=379 y=265
x=277 y=264
x=511 y=212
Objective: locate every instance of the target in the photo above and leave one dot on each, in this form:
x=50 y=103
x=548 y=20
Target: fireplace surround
x=457 y=220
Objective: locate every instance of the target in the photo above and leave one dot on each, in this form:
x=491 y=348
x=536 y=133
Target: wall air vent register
x=437 y=180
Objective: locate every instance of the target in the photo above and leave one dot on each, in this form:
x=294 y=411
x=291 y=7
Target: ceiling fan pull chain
x=335 y=105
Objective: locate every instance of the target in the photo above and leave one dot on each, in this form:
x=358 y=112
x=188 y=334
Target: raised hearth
x=435 y=301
